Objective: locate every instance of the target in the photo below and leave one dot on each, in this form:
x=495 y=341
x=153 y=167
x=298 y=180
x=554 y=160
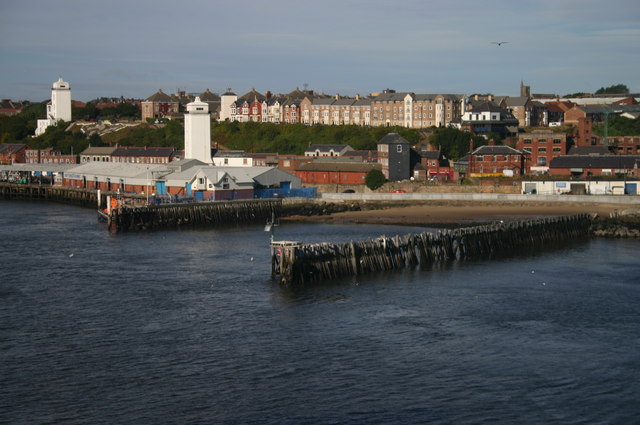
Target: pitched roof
x=209 y=96
x=327 y=148
x=391 y=97
x=160 y=96
x=9 y=148
x=496 y=150
x=392 y=138
x=98 y=150
x=594 y=161
x=516 y=101
x=589 y=150
x=253 y=94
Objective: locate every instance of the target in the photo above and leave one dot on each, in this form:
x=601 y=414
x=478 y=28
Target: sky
x=134 y=48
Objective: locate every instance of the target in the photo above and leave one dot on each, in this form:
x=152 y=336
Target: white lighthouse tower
x=226 y=100
x=197 y=132
x=60 y=107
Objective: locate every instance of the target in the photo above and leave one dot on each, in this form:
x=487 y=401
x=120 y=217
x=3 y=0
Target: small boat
x=103 y=216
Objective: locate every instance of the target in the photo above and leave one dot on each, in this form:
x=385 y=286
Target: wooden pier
x=294 y=263
x=67 y=195
x=200 y=214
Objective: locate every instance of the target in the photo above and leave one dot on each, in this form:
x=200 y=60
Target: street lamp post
x=146 y=188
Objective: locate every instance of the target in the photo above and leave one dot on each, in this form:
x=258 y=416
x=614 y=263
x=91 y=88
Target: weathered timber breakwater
x=298 y=264
x=67 y=195
x=202 y=214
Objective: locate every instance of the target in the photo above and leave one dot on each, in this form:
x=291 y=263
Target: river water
x=187 y=327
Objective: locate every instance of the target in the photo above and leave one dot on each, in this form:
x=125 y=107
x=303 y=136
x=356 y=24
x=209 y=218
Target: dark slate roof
x=516 y=101
x=392 y=138
x=209 y=96
x=230 y=154
x=594 y=161
x=488 y=107
x=160 y=96
x=391 y=97
x=9 y=148
x=589 y=150
x=98 y=150
x=496 y=150
x=430 y=154
x=253 y=94
x=354 y=167
x=135 y=151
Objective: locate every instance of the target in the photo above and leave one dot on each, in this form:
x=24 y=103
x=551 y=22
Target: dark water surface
x=183 y=327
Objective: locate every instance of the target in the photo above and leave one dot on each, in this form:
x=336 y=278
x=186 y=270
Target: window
x=542 y=160
x=557 y=141
x=527 y=141
x=542 y=150
x=200 y=180
x=226 y=161
x=542 y=141
x=479 y=158
x=399 y=148
x=557 y=150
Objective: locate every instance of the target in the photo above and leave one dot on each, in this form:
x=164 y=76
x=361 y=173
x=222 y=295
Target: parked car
x=398 y=191
x=349 y=191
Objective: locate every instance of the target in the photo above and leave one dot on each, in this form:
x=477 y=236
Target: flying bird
x=499 y=43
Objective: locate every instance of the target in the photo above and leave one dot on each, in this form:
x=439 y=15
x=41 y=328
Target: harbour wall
x=294 y=263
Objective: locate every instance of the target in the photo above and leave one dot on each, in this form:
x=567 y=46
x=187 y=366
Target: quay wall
x=200 y=214
x=68 y=195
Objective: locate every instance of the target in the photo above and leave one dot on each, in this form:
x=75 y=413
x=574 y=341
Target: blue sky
x=133 y=48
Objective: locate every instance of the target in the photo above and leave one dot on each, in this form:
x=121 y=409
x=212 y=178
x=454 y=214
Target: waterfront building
x=59 y=109
x=495 y=161
x=232 y=158
x=540 y=148
x=97 y=154
x=13 y=153
x=144 y=155
x=335 y=172
x=49 y=156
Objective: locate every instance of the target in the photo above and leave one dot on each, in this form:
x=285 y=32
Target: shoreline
x=456 y=213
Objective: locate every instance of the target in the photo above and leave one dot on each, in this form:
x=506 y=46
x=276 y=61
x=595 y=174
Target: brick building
x=492 y=160
x=542 y=147
x=322 y=172
x=13 y=153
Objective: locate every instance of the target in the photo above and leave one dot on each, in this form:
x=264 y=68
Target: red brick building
x=13 y=153
x=144 y=155
x=335 y=172
x=492 y=160
x=542 y=147
x=50 y=156
x=585 y=166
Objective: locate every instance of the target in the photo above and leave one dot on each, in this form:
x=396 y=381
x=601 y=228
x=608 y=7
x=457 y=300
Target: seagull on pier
x=499 y=43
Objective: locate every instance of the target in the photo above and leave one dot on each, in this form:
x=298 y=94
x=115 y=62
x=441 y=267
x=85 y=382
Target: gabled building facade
x=495 y=161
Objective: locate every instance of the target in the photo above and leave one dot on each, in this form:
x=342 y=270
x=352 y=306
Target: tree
x=374 y=179
x=454 y=143
x=615 y=89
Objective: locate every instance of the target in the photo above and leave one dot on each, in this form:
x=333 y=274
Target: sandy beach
x=465 y=213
